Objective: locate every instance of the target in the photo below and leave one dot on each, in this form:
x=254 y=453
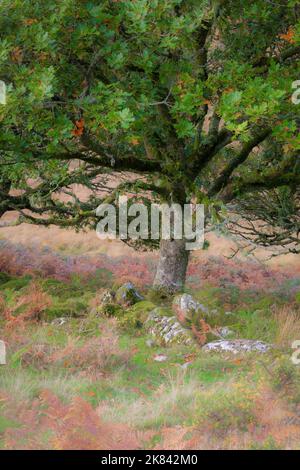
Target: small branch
x=223 y=179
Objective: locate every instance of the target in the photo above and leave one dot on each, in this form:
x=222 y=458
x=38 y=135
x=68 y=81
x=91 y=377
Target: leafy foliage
x=195 y=96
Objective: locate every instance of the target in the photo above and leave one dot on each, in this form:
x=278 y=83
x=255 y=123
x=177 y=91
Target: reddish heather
x=216 y=270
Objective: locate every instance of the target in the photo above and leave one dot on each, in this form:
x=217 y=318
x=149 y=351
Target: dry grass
x=184 y=415
x=288 y=326
x=89 y=355
x=99 y=353
x=191 y=416
x=172 y=403
x=273 y=426
x=23 y=385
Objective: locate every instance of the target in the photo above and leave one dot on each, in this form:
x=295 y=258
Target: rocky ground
x=95 y=363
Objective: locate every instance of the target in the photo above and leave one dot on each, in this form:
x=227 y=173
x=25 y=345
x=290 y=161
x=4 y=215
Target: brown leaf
x=17 y=55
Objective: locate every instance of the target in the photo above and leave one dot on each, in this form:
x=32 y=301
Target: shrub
x=28 y=307
x=36 y=355
x=112 y=310
x=16 y=283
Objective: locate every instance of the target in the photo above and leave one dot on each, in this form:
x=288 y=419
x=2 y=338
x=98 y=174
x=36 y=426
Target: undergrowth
x=93 y=381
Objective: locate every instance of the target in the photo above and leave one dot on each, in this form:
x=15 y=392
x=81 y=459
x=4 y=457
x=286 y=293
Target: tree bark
x=172 y=266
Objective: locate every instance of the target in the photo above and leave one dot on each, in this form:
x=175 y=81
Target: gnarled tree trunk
x=172 y=265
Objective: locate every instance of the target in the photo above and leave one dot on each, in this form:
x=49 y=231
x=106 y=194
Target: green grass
x=6 y=423
x=257 y=324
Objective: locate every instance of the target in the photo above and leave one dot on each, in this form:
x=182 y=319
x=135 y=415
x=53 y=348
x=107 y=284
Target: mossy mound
x=75 y=307
x=111 y=310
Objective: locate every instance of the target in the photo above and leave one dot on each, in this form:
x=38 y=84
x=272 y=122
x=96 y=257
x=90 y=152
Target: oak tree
x=182 y=100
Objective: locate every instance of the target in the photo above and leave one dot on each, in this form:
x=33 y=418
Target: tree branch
x=209 y=149
x=224 y=177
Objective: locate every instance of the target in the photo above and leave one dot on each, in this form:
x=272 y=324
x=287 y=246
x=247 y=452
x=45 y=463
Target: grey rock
x=59 y=321
x=185 y=305
x=2 y=353
x=237 y=346
x=167 y=330
x=160 y=358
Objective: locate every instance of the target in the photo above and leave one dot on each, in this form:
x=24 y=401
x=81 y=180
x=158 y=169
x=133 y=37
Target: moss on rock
x=128 y=295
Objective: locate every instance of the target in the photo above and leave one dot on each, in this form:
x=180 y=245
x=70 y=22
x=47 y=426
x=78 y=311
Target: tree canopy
x=192 y=96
